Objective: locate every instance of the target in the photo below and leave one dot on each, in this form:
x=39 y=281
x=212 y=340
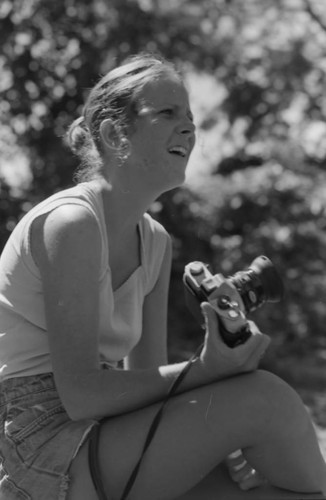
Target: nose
x=187 y=127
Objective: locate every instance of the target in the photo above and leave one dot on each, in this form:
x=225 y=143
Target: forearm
x=96 y=393
x=106 y=393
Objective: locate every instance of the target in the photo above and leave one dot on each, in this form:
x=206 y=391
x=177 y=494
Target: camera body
x=233 y=297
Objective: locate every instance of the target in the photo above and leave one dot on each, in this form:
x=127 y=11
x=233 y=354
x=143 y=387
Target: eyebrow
x=178 y=106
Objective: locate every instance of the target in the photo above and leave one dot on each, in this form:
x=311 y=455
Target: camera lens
x=258 y=284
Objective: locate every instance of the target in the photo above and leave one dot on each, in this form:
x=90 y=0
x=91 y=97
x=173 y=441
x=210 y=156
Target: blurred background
x=256 y=182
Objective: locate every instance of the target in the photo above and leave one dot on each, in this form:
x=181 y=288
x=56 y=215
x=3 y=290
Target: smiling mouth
x=179 y=151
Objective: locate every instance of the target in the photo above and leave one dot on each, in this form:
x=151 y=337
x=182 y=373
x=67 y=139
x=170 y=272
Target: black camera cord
x=156 y=421
x=94 y=438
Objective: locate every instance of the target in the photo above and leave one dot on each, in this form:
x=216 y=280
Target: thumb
x=211 y=320
x=261 y=340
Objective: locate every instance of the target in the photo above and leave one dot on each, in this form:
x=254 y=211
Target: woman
x=84 y=281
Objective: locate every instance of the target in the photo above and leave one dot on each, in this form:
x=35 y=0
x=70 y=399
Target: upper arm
x=151 y=351
x=66 y=247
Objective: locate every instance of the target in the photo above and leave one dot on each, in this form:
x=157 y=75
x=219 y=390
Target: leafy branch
x=315 y=16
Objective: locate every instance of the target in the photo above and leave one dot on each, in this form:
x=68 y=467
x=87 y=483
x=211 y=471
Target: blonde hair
x=114 y=97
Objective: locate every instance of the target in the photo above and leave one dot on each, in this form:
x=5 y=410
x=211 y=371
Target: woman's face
x=163 y=135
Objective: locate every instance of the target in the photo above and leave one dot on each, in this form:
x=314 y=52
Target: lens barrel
x=258 y=284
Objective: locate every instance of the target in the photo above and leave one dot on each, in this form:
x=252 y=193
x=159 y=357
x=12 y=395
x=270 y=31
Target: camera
x=233 y=297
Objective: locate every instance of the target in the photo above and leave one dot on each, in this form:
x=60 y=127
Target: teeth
x=178 y=150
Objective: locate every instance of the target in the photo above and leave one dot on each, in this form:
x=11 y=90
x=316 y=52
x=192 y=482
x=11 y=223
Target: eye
x=167 y=111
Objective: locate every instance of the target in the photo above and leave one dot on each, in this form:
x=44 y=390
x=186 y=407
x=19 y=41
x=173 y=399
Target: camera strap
x=95 y=435
x=156 y=421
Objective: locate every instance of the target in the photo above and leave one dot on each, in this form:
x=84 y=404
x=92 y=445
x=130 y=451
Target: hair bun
x=77 y=135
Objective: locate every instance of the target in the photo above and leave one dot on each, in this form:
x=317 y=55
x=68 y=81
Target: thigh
x=198 y=430
x=195 y=434
x=217 y=484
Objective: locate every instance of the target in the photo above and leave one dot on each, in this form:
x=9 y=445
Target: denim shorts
x=38 y=440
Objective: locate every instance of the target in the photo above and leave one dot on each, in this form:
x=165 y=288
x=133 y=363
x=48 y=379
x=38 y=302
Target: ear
x=109 y=134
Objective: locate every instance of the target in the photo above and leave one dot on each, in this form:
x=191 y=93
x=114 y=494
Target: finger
x=253 y=327
x=256 y=347
x=242 y=474
x=262 y=342
x=257 y=336
x=235 y=454
x=236 y=460
x=252 y=480
x=212 y=324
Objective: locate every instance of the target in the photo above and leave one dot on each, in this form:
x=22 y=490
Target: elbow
x=79 y=409
x=75 y=412
x=77 y=399
x=82 y=401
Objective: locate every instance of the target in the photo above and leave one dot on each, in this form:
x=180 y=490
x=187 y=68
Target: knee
x=278 y=406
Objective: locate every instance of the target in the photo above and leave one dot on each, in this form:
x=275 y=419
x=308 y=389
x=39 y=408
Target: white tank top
x=24 y=346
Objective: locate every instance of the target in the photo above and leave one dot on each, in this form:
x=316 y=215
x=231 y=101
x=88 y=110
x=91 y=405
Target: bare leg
x=256 y=412
x=217 y=485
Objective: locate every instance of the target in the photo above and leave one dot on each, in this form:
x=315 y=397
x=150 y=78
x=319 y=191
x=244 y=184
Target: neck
x=123 y=207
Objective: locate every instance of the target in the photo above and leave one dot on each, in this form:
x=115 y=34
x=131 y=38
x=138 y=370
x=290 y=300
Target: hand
x=222 y=361
x=242 y=473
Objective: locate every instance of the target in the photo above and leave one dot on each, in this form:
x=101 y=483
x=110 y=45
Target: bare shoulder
x=64 y=217
x=66 y=229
